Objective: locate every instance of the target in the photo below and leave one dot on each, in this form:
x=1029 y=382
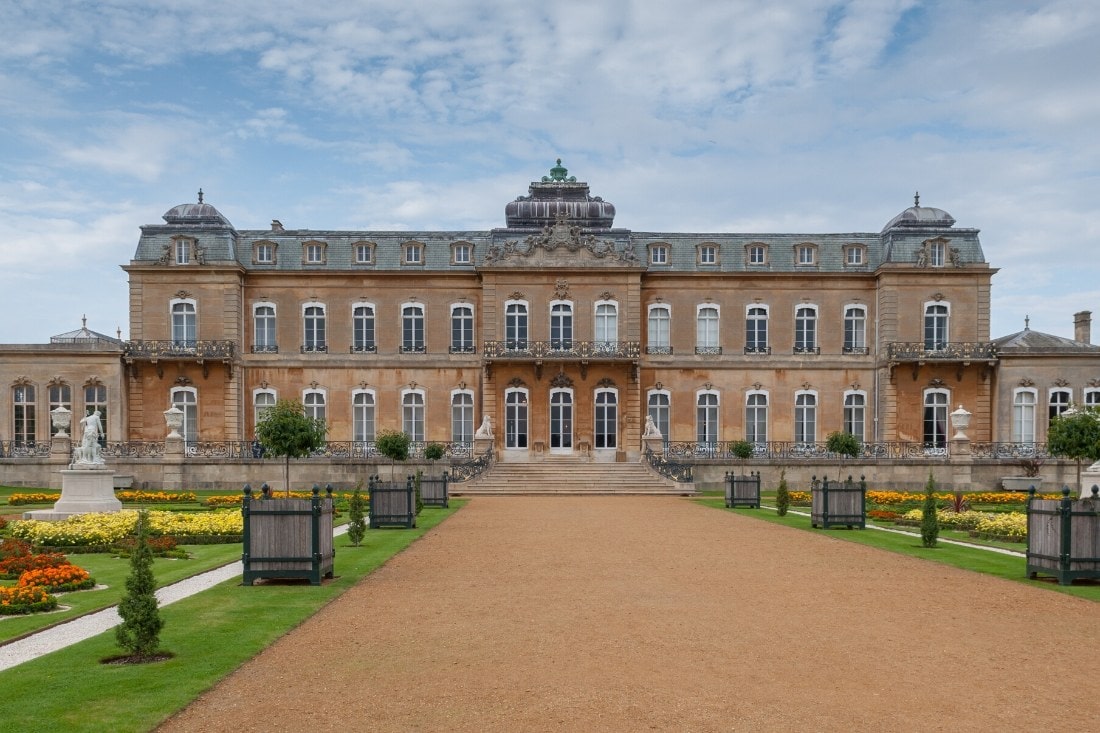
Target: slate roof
x=1038 y=343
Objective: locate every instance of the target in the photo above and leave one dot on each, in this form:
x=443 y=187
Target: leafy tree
x=782 y=495
x=742 y=450
x=357 y=525
x=844 y=445
x=139 y=632
x=433 y=452
x=929 y=519
x=1075 y=434
x=393 y=444
x=285 y=430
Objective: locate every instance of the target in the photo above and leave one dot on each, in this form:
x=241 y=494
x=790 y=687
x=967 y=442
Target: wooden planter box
x=433 y=490
x=840 y=503
x=287 y=538
x=743 y=490
x=392 y=504
x=1063 y=537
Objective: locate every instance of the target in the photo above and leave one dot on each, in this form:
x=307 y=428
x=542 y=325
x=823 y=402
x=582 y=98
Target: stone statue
x=650 y=430
x=486 y=429
x=89 y=452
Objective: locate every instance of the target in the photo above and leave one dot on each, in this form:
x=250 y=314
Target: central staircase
x=569 y=477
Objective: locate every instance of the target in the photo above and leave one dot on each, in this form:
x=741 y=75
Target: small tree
x=357 y=525
x=433 y=452
x=844 y=445
x=742 y=450
x=393 y=444
x=1075 y=434
x=285 y=430
x=929 y=518
x=782 y=495
x=139 y=632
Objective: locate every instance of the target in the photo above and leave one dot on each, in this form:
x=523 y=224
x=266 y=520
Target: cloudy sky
x=698 y=115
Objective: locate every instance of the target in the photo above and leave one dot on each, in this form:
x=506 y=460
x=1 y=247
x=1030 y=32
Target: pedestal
x=83 y=490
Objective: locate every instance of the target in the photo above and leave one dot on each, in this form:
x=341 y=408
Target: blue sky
x=699 y=115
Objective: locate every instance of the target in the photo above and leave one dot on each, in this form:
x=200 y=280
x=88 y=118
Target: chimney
x=1082 y=326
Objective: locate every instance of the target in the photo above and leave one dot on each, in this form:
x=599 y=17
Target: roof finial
x=84 y=321
x=200 y=195
x=1027 y=323
x=916 y=198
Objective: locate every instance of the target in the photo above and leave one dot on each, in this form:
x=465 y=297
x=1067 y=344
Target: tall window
x=1023 y=416
x=756 y=330
x=183 y=251
x=756 y=418
x=805 y=329
x=362 y=328
x=412 y=415
x=61 y=395
x=855 y=410
x=706 y=330
x=314 y=329
x=314 y=402
x=262 y=401
x=515 y=326
x=263 y=321
x=561 y=326
x=362 y=416
x=805 y=417
x=561 y=420
x=855 y=329
x=462 y=329
x=706 y=419
x=515 y=418
x=183 y=324
x=23 y=412
x=935 y=327
x=412 y=329
x=607 y=327
x=937 y=254
x=935 y=418
x=95 y=398
x=1059 y=402
x=607 y=418
x=462 y=417
x=660 y=324
x=659 y=411
x=186 y=400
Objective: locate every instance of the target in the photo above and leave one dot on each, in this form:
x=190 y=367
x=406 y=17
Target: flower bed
x=34 y=599
x=59 y=579
x=154 y=497
x=14 y=567
x=41 y=497
x=108 y=529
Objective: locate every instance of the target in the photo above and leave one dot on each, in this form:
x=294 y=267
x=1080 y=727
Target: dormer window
x=183 y=251
x=708 y=254
x=263 y=253
x=853 y=255
x=658 y=254
x=806 y=254
x=313 y=253
x=462 y=253
x=364 y=253
x=937 y=252
x=758 y=254
x=414 y=253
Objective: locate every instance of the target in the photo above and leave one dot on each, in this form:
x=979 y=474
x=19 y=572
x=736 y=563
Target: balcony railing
x=265 y=349
x=807 y=350
x=562 y=350
x=758 y=349
x=795 y=450
x=24 y=448
x=314 y=348
x=1009 y=451
x=364 y=349
x=362 y=449
x=958 y=351
x=169 y=349
x=659 y=350
x=708 y=350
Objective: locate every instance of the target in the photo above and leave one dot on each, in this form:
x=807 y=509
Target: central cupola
x=559 y=194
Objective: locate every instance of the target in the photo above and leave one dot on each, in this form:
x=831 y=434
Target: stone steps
x=568 y=476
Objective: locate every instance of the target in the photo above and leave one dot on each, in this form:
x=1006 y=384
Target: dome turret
x=200 y=214
x=920 y=216
x=559 y=194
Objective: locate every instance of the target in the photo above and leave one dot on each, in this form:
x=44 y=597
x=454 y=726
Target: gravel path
x=655 y=613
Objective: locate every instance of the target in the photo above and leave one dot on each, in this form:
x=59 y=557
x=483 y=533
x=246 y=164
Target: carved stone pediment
x=561 y=244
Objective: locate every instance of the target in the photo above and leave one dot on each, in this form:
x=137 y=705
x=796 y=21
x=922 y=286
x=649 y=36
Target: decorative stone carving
x=562 y=235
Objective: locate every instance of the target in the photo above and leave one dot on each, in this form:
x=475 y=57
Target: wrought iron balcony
x=906 y=351
x=169 y=349
x=413 y=349
x=564 y=350
x=758 y=350
x=364 y=349
x=265 y=349
x=463 y=349
x=861 y=350
x=708 y=350
x=659 y=350
x=314 y=348
x=807 y=350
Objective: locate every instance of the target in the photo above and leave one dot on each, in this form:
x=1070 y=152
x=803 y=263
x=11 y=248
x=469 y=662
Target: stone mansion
x=563 y=329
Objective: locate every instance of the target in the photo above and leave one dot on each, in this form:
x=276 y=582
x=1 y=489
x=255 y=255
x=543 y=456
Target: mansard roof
x=1033 y=343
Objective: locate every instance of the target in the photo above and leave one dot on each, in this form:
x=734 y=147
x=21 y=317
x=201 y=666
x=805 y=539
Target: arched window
x=313 y=321
x=263 y=322
x=756 y=330
x=855 y=329
x=805 y=329
x=262 y=401
x=515 y=418
x=805 y=417
x=659 y=407
x=936 y=319
x=362 y=328
x=855 y=409
x=515 y=325
x=660 y=333
x=23 y=414
x=184 y=324
x=607 y=327
x=706 y=419
x=315 y=403
x=1023 y=415
x=561 y=419
x=935 y=419
x=186 y=399
x=462 y=329
x=706 y=330
x=607 y=418
x=412 y=414
x=561 y=325
x=412 y=328
x=1059 y=402
x=462 y=416
x=756 y=418
x=362 y=415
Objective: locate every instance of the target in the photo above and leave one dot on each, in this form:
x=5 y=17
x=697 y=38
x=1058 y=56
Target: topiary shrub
x=782 y=495
x=929 y=521
x=844 y=445
x=357 y=525
x=393 y=444
x=139 y=632
x=741 y=450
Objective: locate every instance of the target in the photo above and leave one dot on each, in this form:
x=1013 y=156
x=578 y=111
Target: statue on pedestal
x=486 y=429
x=89 y=453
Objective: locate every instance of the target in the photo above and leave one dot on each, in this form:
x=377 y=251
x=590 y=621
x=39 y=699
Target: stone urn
x=173 y=418
x=61 y=418
x=960 y=420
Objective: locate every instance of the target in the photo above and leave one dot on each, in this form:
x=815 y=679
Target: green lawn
x=211 y=634
x=981 y=561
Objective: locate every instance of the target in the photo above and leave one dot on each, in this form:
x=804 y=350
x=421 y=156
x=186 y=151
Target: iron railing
x=921 y=351
x=562 y=350
x=360 y=449
x=24 y=449
x=133 y=449
x=796 y=450
x=1009 y=451
x=169 y=349
x=677 y=471
x=472 y=469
